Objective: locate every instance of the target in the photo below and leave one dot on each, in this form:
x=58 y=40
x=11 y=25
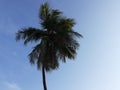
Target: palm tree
x=56 y=40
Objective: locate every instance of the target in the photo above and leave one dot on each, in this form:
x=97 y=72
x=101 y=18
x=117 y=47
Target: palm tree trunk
x=44 y=79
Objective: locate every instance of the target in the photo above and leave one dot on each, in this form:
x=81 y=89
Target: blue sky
x=97 y=64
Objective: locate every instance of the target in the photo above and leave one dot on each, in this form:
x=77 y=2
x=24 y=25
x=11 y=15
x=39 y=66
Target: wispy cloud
x=12 y=86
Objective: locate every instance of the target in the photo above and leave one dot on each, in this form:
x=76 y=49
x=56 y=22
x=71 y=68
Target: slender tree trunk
x=44 y=79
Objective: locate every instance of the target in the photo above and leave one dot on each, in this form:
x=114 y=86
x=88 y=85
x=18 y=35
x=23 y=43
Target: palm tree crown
x=56 y=39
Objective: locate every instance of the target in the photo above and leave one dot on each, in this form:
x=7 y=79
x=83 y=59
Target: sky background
x=97 y=64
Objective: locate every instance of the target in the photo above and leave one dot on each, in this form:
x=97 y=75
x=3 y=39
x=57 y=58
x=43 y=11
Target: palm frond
x=34 y=55
x=55 y=13
x=76 y=34
x=44 y=11
x=30 y=34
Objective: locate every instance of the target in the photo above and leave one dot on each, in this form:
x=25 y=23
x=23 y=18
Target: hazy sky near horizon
x=97 y=64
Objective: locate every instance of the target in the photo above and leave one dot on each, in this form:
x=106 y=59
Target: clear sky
x=97 y=65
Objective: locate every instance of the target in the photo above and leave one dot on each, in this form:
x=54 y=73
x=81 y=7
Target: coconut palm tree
x=56 y=40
